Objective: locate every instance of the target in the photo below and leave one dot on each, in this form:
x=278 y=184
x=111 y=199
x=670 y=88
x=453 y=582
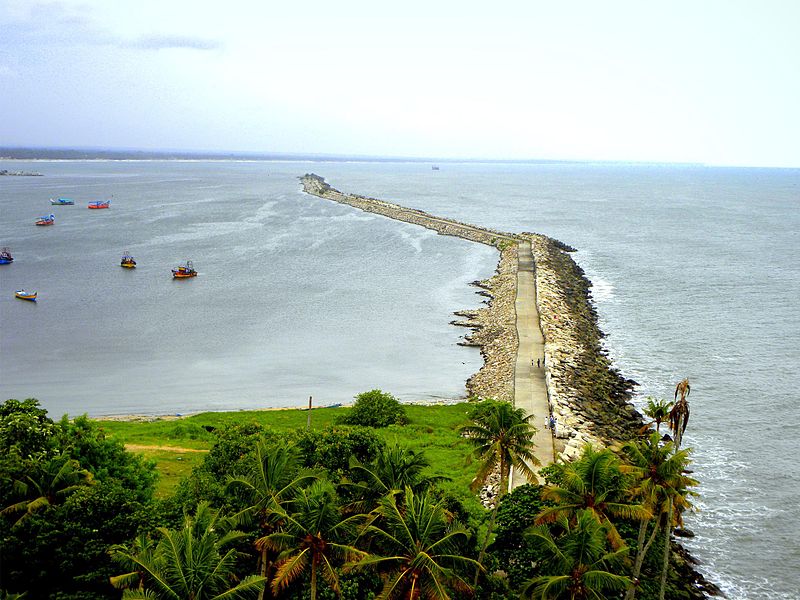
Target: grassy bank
x=432 y=429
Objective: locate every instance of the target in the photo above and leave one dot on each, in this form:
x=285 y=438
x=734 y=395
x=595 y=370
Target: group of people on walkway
x=551 y=423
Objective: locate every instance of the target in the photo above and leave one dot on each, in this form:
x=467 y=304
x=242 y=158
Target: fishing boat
x=184 y=271
x=5 y=257
x=23 y=295
x=61 y=202
x=103 y=204
x=46 y=220
x=127 y=261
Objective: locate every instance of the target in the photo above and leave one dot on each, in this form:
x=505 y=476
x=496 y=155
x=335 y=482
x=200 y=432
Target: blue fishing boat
x=23 y=295
x=61 y=202
x=5 y=257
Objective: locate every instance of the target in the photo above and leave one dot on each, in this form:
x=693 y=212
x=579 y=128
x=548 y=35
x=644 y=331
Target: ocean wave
x=602 y=290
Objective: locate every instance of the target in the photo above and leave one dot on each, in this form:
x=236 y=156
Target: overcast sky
x=701 y=81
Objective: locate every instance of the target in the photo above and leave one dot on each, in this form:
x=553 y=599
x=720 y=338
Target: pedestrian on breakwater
x=537 y=363
x=546 y=422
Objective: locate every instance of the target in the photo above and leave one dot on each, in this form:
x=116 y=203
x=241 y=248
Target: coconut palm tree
x=314 y=539
x=660 y=476
x=579 y=560
x=272 y=478
x=393 y=469
x=658 y=410
x=679 y=415
x=503 y=439
x=420 y=548
x=594 y=483
x=190 y=562
x=49 y=483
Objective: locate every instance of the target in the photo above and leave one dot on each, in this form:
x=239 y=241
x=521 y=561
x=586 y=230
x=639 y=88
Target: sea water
x=696 y=274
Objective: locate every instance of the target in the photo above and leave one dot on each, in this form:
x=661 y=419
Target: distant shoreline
x=100 y=154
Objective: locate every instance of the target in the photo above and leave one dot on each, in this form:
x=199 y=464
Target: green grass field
x=432 y=429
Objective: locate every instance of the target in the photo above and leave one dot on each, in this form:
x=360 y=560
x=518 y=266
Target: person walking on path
x=537 y=363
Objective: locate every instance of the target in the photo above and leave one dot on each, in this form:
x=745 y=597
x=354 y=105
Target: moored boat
x=103 y=204
x=23 y=295
x=46 y=220
x=184 y=271
x=5 y=257
x=127 y=261
x=61 y=201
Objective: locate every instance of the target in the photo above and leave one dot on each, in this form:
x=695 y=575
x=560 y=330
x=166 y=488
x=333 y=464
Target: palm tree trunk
x=641 y=553
x=637 y=565
x=485 y=543
x=313 y=579
x=263 y=572
x=500 y=493
x=667 y=536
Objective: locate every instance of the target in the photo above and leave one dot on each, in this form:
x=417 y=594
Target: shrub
x=332 y=448
x=376 y=409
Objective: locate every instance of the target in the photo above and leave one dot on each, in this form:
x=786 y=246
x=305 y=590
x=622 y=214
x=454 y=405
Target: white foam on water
x=414 y=236
x=264 y=212
x=203 y=231
x=602 y=290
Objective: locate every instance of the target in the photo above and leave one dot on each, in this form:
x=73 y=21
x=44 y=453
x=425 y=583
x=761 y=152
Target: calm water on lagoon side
x=696 y=274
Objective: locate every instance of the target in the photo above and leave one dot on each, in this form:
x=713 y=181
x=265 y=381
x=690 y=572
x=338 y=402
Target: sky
x=715 y=82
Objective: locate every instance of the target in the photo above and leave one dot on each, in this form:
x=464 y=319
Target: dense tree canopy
x=328 y=512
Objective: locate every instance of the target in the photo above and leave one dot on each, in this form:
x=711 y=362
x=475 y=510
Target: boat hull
x=128 y=265
x=99 y=205
x=176 y=275
x=6 y=261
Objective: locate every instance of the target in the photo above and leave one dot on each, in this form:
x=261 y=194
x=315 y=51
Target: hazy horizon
x=23 y=153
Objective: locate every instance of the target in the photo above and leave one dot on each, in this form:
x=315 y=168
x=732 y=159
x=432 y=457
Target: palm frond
x=289 y=569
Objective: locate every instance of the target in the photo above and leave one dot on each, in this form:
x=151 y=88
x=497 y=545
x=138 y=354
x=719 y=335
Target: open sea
x=696 y=274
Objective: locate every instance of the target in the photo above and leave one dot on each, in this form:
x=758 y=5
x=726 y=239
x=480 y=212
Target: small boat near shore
x=101 y=204
x=61 y=201
x=127 y=261
x=23 y=295
x=5 y=257
x=46 y=220
x=184 y=271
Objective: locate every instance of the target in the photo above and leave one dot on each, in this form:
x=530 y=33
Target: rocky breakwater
x=588 y=396
x=494 y=326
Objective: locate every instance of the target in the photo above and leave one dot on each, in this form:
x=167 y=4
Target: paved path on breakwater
x=530 y=388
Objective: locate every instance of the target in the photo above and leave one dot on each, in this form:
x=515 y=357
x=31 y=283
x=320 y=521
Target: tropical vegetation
x=269 y=505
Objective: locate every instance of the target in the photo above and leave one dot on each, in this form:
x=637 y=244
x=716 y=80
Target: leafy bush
x=191 y=431
x=331 y=448
x=24 y=428
x=235 y=443
x=376 y=409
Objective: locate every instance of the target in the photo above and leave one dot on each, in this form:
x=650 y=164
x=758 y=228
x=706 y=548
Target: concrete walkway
x=530 y=389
